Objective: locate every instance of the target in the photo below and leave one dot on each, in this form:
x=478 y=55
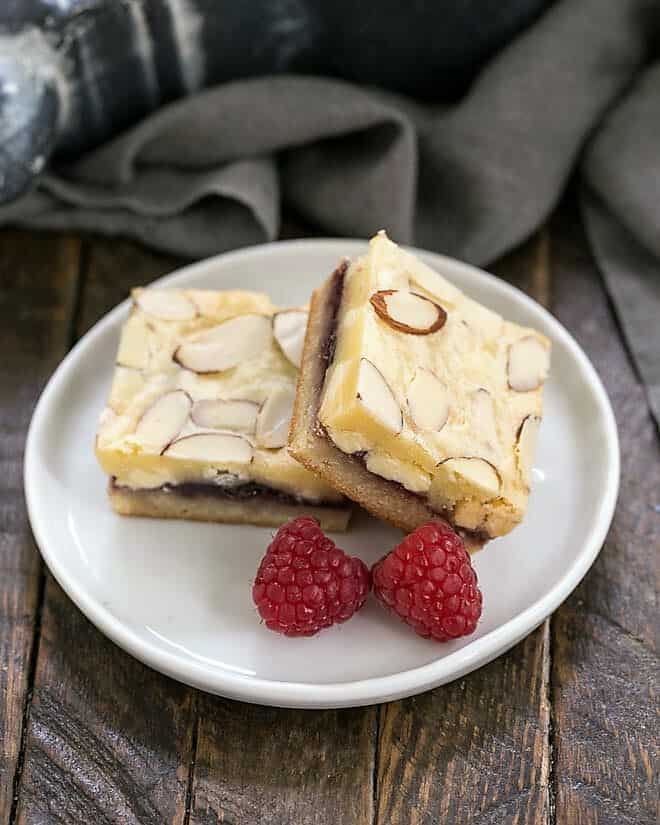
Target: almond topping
x=409 y=476
x=392 y=278
x=433 y=283
x=221 y=414
x=528 y=364
x=134 y=345
x=526 y=444
x=274 y=418
x=214 y=448
x=289 y=330
x=476 y=471
x=226 y=345
x=376 y=396
x=428 y=400
x=408 y=312
x=163 y=420
x=166 y=304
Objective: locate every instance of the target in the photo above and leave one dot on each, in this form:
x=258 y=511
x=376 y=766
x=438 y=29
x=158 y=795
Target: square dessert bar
x=416 y=401
x=197 y=420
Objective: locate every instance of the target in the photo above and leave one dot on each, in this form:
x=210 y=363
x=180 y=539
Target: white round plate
x=176 y=595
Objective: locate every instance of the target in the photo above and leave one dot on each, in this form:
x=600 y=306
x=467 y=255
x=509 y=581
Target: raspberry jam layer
x=241 y=492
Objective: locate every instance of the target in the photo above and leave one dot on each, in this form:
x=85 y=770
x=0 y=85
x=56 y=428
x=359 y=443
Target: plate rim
x=352 y=693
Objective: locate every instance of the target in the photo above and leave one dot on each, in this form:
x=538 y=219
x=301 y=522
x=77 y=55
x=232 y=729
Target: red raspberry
x=428 y=581
x=305 y=583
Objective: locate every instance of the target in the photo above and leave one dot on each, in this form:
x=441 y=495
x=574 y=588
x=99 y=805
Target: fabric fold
x=632 y=277
x=576 y=91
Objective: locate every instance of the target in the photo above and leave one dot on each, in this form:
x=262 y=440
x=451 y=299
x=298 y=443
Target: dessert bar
x=197 y=420
x=416 y=401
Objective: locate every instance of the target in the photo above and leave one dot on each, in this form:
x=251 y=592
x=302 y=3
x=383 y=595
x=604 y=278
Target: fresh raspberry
x=428 y=581
x=305 y=583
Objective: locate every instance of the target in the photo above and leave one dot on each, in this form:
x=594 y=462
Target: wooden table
x=561 y=729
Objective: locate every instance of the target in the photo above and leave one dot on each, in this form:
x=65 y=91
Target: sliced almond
x=163 y=420
x=408 y=312
x=408 y=475
x=274 y=418
x=226 y=345
x=375 y=394
x=428 y=400
x=526 y=444
x=134 y=345
x=392 y=278
x=166 y=304
x=384 y=254
x=483 y=417
x=528 y=364
x=220 y=414
x=289 y=330
x=214 y=448
x=430 y=281
x=229 y=303
x=476 y=471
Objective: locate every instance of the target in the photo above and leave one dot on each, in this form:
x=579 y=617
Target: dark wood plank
x=38 y=276
x=259 y=765
x=477 y=750
x=473 y=751
x=528 y=267
x=108 y=740
x=605 y=676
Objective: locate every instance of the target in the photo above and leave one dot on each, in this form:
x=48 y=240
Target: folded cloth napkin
x=576 y=89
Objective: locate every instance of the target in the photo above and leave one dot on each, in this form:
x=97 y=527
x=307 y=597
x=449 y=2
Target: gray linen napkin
x=472 y=180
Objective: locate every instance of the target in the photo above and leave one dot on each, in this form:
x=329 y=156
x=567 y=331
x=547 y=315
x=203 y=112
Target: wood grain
x=605 y=676
x=473 y=751
x=38 y=277
x=264 y=766
x=477 y=750
x=528 y=267
x=108 y=740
